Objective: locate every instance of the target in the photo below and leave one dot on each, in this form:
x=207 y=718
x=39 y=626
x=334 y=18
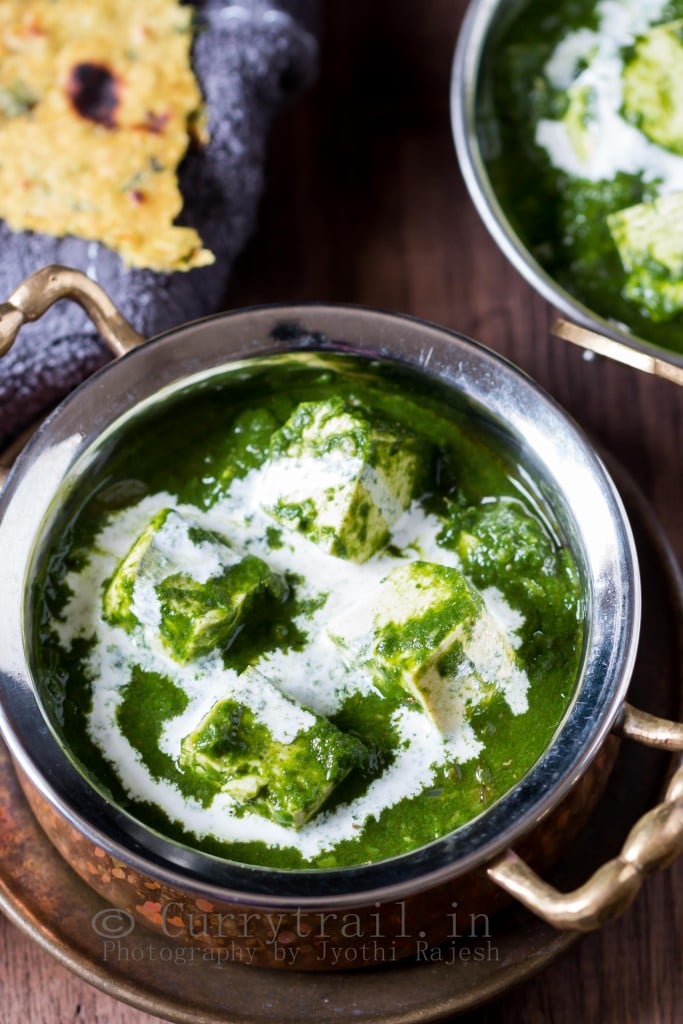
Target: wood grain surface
x=365 y=204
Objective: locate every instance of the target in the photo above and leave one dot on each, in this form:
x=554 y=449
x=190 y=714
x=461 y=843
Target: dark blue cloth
x=249 y=57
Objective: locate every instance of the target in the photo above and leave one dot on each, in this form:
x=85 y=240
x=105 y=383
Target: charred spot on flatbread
x=93 y=90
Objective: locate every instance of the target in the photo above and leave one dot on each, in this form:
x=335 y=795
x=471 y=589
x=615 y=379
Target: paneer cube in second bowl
x=580 y=120
x=341 y=476
x=652 y=86
x=649 y=238
x=186 y=587
x=283 y=761
x=434 y=636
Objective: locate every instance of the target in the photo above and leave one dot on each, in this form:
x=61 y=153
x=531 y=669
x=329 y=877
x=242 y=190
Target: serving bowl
x=313 y=919
x=484 y=24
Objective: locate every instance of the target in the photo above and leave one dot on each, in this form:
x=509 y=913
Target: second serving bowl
x=475 y=125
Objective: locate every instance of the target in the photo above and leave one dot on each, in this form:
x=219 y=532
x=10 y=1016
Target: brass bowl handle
x=36 y=294
x=654 y=842
x=619 y=351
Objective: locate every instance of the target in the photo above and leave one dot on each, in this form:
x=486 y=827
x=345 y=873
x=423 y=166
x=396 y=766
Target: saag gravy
x=312 y=614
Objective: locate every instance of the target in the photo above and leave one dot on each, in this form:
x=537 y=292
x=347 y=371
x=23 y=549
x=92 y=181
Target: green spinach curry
x=581 y=127
x=310 y=614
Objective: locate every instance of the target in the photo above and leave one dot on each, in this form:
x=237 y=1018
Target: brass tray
x=40 y=893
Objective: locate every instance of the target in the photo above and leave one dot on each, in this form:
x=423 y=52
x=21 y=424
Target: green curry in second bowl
x=312 y=615
x=581 y=127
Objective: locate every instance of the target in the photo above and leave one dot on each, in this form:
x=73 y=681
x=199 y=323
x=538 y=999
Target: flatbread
x=98 y=103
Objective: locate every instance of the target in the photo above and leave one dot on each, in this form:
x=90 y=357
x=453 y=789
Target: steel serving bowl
x=256 y=912
x=482 y=25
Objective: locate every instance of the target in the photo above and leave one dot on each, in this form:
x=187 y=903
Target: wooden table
x=365 y=204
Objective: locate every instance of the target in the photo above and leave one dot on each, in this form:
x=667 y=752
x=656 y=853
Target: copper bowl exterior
x=315 y=939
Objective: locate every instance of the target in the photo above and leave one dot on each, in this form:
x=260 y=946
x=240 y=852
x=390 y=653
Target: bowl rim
x=121 y=390
x=464 y=83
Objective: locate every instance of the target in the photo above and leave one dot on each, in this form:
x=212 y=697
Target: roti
x=98 y=104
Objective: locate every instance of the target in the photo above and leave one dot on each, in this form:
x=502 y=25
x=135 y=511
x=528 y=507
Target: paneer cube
x=342 y=476
x=147 y=557
x=186 y=587
x=434 y=637
x=580 y=120
x=653 y=87
x=198 y=617
x=273 y=756
x=649 y=237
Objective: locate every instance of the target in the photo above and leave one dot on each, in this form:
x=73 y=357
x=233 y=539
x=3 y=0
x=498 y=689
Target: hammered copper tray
x=40 y=893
